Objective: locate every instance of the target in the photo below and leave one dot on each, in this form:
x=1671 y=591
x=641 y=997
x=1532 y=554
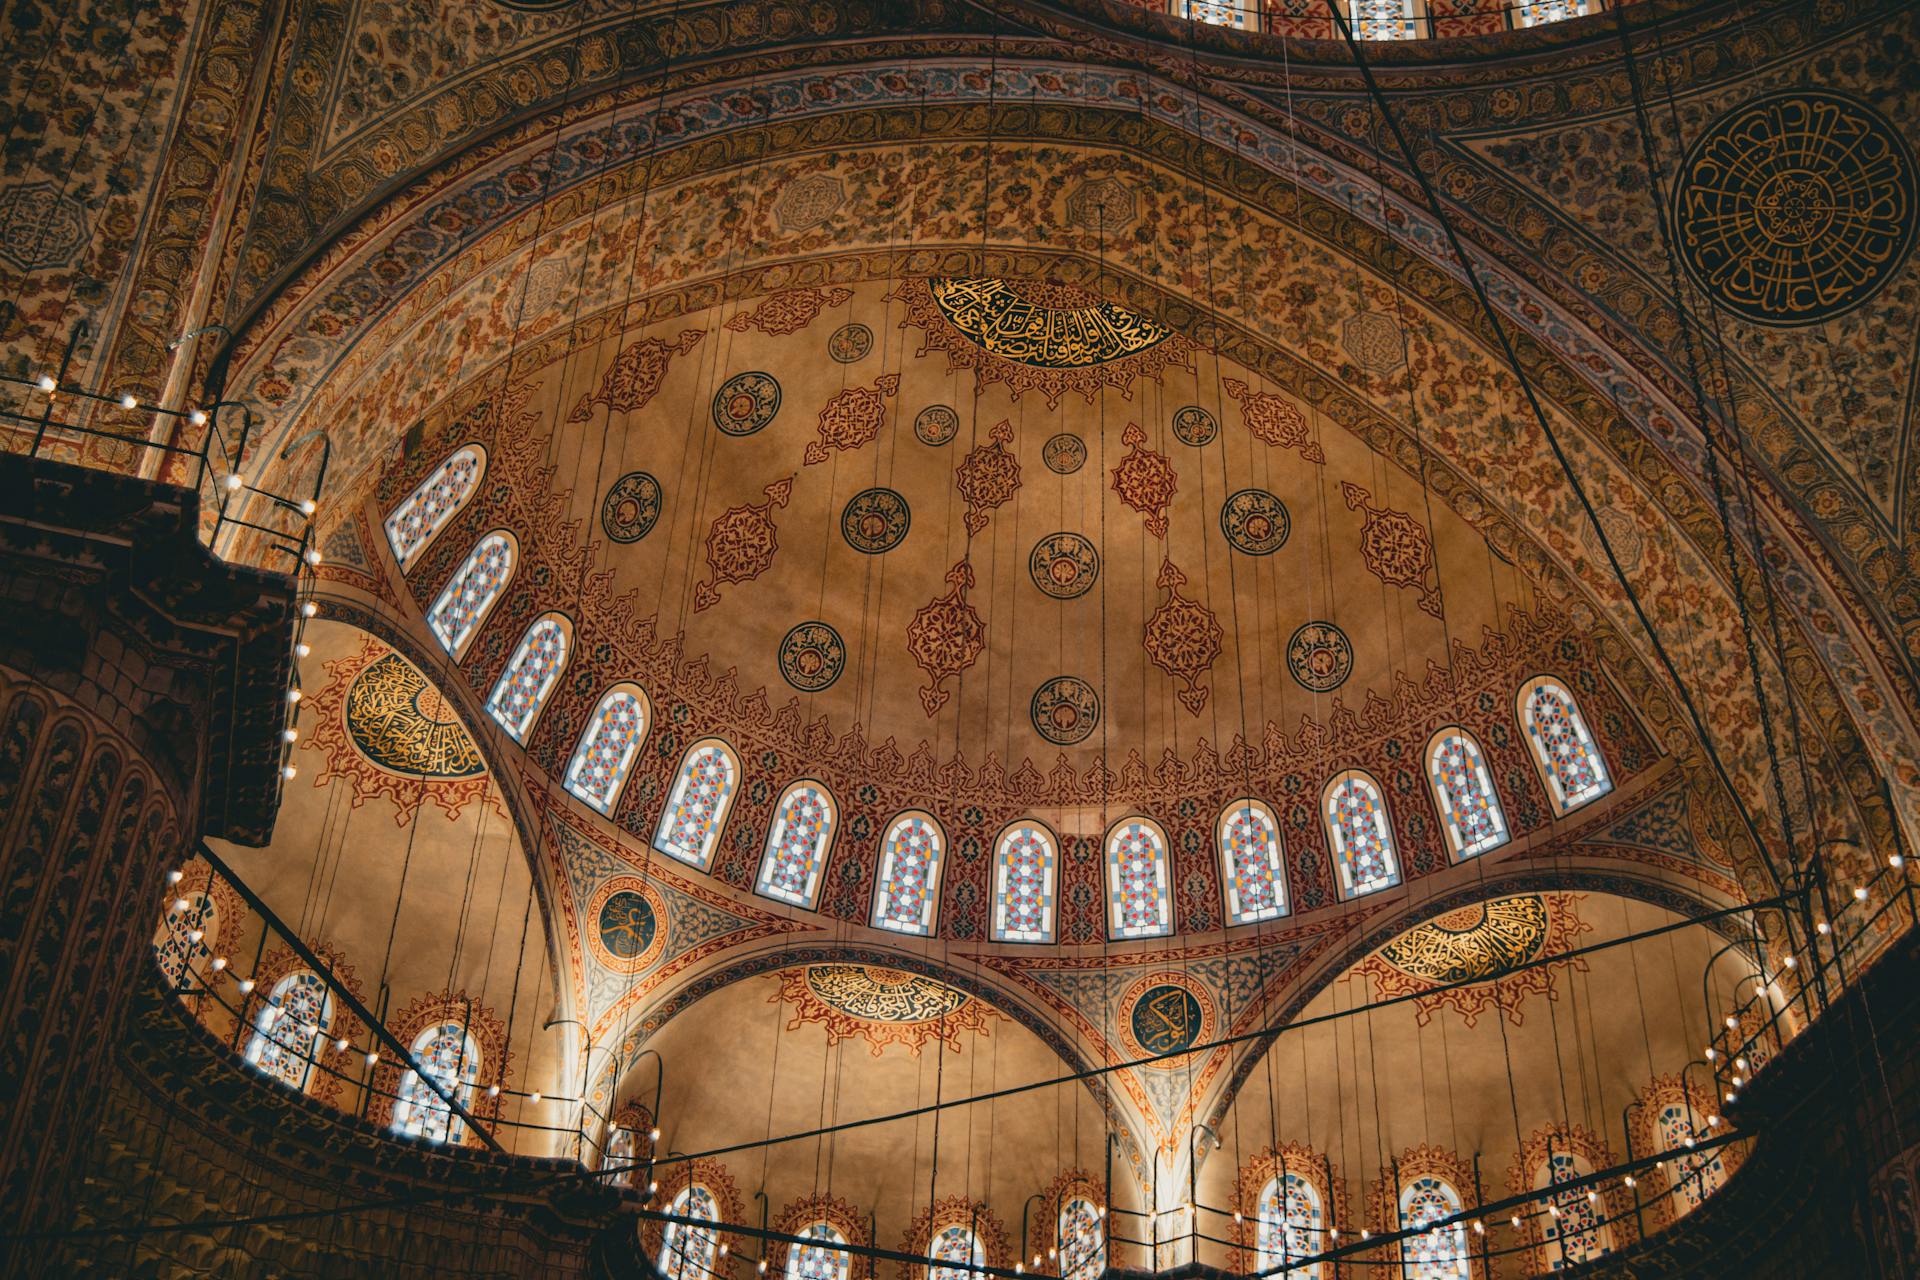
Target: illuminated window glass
x=797 y=845
x=1292 y=1230
x=1024 y=871
x=688 y=1252
x=1381 y=19
x=957 y=1244
x=909 y=888
x=1240 y=14
x=414 y=523
x=1463 y=789
x=607 y=749
x=447 y=1054
x=1250 y=871
x=470 y=594
x=290 y=1027
x=697 y=807
x=1578 y=1233
x=530 y=675
x=819 y=1261
x=623 y=1150
x=1694 y=1176
x=1533 y=15
x=1139 y=901
x=1362 y=837
x=1438 y=1253
x=1082 y=1240
x=1569 y=759
x=184 y=939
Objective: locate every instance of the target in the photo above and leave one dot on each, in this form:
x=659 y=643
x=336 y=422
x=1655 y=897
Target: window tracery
x=1433 y=1252
x=1568 y=758
x=448 y=1055
x=289 y=1028
x=819 y=1261
x=1139 y=897
x=1250 y=871
x=1291 y=1226
x=1534 y=15
x=1382 y=19
x=1025 y=867
x=698 y=805
x=419 y=518
x=1242 y=15
x=181 y=943
x=1080 y=1232
x=909 y=885
x=1577 y=1232
x=527 y=682
x=470 y=594
x=956 y=1244
x=608 y=746
x=689 y=1251
x=1463 y=789
x=797 y=844
x=1360 y=835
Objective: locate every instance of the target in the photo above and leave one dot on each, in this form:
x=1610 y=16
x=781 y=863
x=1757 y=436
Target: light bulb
x=1824 y=928
x=1515 y=1220
x=306 y=507
x=761 y=1266
x=303 y=649
x=652 y=1187
x=1053 y=1253
x=1365 y=1234
x=175 y=876
x=534 y=1097
x=1711 y=1053
x=373 y=1057
x=290 y=734
x=653 y=1135
x=1479 y=1228
x=341 y=1045
x=308 y=609
x=233 y=480
x=1553 y=1210
x=1896 y=862
x=246 y=986
x=1713 y=1122
x=1859 y=893
x=1019 y=1268
x=1791 y=963
x=1238 y=1217
x=46 y=382
x=1593 y=1196
x=1740 y=1064
x=128 y=402
x=219 y=963
x=289 y=773
x=313 y=555
x=1738 y=1081
x=723 y=1248
x=1630 y=1182
x=293 y=695
x=493 y=1091
x=180 y=904
x=198 y=417
x=1731 y=1024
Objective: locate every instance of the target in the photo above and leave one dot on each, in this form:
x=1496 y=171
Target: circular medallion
x=1319 y=656
x=627 y=932
x=1255 y=522
x=1064 y=454
x=936 y=425
x=1166 y=1013
x=631 y=506
x=1795 y=207
x=1064 y=565
x=1065 y=710
x=812 y=656
x=850 y=342
x=746 y=402
x=1194 y=425
x=875 y=520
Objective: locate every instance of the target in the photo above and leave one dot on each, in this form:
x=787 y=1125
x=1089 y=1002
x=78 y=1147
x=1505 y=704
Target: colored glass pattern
x=1291 y=1230
x=1464 y=791
x=1381 y=19
x=289 y=1028
x=530 y=676
x=1023 y=885
x=471 y=593
x=1362 y=838
x=1139 y=904
x=819 y=1261
x=607 y=749
x=688 y=1252
x=177 y=951
x=1250 y=863
x=797 y=845
x=1695 y=1175
x=1240 y=16
x=446 y=1053
x=427 y=509
x=956 y=1244
x=1567 y=753
x=1577 y=1233
x=1432 y=1253
x=697 y=809
x=909 y=875
x=1533 y=15
x=1082 y=1240
x=623 y=1148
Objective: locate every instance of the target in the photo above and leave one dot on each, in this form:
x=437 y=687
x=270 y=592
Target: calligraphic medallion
x=880 y=1005
x=399 y=721
x=1194 y=426
x=1472 y=943
x=1052 y=326
x=631 y=507
x=746 y=402
x=850 y=342
x=627 y=924
x=936 y=425
x=1320 y=656
x=1064 y=565
x=1065 y=710
x=1064 y=454
x=1795 y=207
x=875 y=520
x=812 y=657
x=1166 y=1013
x=1255 y=522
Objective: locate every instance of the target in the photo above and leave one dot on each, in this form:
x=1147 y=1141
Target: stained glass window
x=1291 y=1230
x=797 y=845
x=697 y=807
x=909 y=888
x=688 y=1252
x=958 y=1244
x=175 y=948
x=1578 y=1233
x=623 y=1145
x=1024 y=868
x=1250 y=863
x=448 y=1054
x=1533 y=15
x=427 y=509
x=470 y=594
x=819 y=1261
x=1082 y=1240
x=1381 y=19
x=612 y=739
x=1462 y=787
x=530 y=675
x=1240 y=14
x=1361 y=835
x=1435 y=1253
x=1568 y=757
x=1695 y=1175
x=1139 y=902
x=290 y=1027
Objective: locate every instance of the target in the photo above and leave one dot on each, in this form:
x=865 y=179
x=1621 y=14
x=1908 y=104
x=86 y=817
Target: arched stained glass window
x=607 y=749
x=1381 y=19
x=1250 y=871
x=184 y=937
x=448 y=1054
x=1462 y=787
x=1568 y=757
x=623 y=1146
x=470 y=594
x=1293 y=1229
x=1025 y=868
x=1533 y=15
x=1578 y=1233
x=290 y=1027
x=1242 y=15
x=1082 y=1240
x=1360 y=834
x=958 y=1244
x=1694 y=1176
x=688 y=1252
x=1438 y=1253
x=697 y=807
x=819 y=1261
x=909 y=888
x=438 y=498
x=1139 y=900
x=797 y=844
x=531 y=673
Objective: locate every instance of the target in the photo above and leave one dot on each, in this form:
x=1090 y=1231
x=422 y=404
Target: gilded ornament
x=399 y=721
x=881 y=1006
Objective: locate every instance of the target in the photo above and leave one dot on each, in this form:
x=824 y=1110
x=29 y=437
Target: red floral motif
x=1274 y=420
x=1396 y=548
x=1182 y=638
x=987 y=477
x=789 y=311
x=741 y=543
x=1145 y=480
x=946 y=636
x=635 y=376
x=852 y=418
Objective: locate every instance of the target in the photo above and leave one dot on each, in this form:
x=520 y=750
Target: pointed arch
x=1672 y=1116
x=1571 y=1225
x=1139 y=882
x=446 y=1052
x=698 y=805
x=828 y=1222
x=1076 y=1207
x=906 y=896
x=1470 y=811
x=952 y=1230
x=1288 y=1206
x=417 y=521
x=702 y=1189
x=1359 y=834
x=1251 y=874
x=1026 y=871
x=608 y=746
x=290 y=1027
x=1564 y=751
x=1435 y=1252
x=470 y=594
x=523 y=688
x=804 y=823
x=183 y=941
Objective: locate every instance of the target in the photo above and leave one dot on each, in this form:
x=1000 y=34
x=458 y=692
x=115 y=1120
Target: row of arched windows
x=1353 y=806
